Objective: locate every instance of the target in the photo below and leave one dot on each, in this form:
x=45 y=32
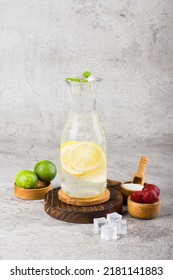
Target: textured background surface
x=27 y=232
x=129 y=45
x=126 y=43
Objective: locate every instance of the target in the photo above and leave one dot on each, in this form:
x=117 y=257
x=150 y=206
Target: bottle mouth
x=81 y=80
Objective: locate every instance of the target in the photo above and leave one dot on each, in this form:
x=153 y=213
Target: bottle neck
x=83 y=95
x=83 y=102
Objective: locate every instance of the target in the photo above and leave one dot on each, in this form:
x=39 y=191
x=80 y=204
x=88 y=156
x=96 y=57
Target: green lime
x=45 y=170
x=26 y=179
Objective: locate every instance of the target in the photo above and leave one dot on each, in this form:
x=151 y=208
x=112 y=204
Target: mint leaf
x=73 y=79
x=86 y=74
x=83 y=79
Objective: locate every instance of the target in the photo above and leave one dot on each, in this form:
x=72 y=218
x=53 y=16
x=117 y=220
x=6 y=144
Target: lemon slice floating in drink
x=82 y=158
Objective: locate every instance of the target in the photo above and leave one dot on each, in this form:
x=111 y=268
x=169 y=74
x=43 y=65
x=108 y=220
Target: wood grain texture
x=139 y=177
x=142 y=210
x=81 y=214
x=42 y=184
x=113 y=183
x=31 y=194
x=103 y=197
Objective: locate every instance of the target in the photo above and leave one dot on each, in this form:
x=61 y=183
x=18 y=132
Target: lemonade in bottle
x=83 y=144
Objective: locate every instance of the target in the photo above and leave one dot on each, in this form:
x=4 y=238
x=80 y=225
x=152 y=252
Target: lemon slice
x=80 y=158
x=68 y=144
x=66 y=149
x=86 y=156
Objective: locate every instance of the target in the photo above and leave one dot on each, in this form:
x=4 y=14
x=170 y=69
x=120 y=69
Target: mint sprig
x=83 y=79
x=73 y=79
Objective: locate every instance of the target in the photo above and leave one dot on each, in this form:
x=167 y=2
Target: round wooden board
x=82 y=214
x=113 y=184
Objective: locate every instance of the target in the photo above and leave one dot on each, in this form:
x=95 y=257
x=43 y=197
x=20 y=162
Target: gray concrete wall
x=128 y=43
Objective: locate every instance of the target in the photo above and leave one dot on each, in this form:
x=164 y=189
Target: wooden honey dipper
x=139 y=178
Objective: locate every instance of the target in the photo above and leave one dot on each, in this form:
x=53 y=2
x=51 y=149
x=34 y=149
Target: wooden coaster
x=103 y=197
x=81 y=214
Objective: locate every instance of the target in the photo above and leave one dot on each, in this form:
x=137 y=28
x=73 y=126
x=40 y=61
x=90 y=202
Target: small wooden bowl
x=42 y=184
x=32 y=194
x=142 y=210
x=125 y=192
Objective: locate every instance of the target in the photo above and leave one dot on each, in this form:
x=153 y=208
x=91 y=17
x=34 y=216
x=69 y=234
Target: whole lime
x=26 y=179
x=45 y=170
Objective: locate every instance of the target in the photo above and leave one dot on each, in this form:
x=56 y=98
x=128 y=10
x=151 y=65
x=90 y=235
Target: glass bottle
x=83 y=144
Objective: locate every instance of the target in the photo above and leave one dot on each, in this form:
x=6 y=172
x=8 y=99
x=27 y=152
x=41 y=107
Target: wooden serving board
x=83 y=214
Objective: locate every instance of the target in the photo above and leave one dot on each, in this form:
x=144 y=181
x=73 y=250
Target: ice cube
x=122 y=229
x=121 y=226
x=113 y=217
x=108 y=232
x=98 y=223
